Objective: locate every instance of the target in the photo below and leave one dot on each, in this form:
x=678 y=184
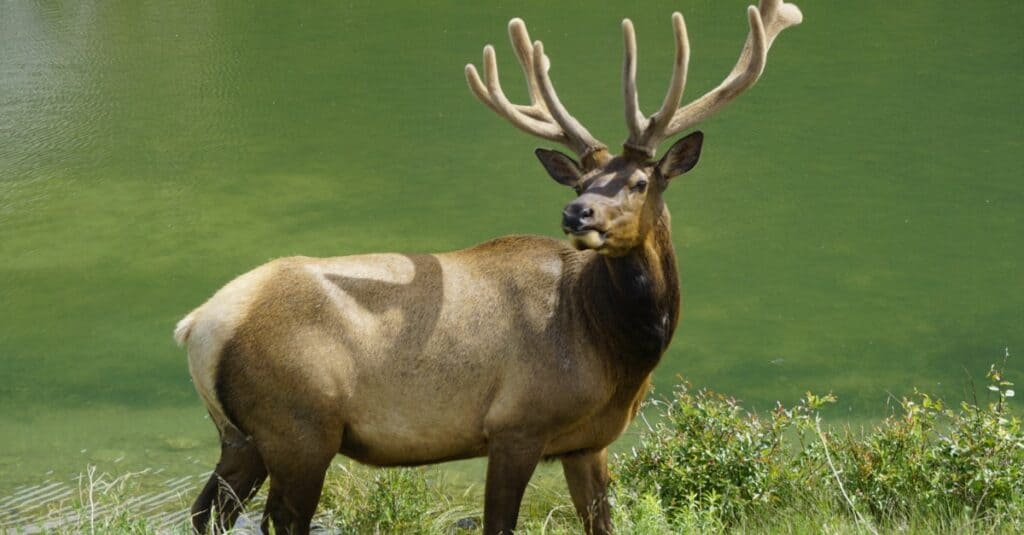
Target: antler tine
x=635 y=120
x=523 y=47
x=678 y=83
x=491 y=94
x=545 y=116
x=766 y=23
x=580 y=139
x=645 y=133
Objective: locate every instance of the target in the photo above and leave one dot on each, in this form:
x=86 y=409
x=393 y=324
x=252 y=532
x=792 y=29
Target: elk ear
x=681 y=157
x=562 y=168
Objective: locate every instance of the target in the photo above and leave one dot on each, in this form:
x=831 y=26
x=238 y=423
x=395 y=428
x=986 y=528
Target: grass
x=97 y=503
x=706 y=466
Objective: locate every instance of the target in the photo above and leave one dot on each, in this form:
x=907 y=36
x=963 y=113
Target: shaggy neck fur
x=632 y=302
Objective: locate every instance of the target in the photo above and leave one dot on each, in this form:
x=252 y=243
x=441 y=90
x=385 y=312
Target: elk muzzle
x=579 y=222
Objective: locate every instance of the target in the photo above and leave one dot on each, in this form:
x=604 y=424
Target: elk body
x=518 y=349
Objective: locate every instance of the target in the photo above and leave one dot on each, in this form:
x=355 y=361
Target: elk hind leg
x=293 y=498
x=237 y=477
x=297 y=473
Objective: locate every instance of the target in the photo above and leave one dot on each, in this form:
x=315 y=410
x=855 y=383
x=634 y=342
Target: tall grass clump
x=358 y=499
x=101 y=503
x=394 y=500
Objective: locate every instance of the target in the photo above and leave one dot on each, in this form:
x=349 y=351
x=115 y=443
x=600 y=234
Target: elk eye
x=639 y=187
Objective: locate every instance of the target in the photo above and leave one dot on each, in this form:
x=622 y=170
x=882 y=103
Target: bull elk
x=519 y=349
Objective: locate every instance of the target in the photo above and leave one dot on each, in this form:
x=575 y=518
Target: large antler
x=545 y=117
x=645 y=133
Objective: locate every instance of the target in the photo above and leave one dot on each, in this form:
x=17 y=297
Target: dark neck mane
x=632 y=302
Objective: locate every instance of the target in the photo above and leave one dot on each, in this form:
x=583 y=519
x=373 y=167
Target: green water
x=854 y=224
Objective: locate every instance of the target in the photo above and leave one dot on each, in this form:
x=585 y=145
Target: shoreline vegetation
x=706 y=465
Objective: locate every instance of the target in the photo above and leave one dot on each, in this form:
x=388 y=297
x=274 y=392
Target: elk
x=519 y=349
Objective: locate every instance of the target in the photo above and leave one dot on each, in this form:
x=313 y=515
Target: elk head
x=620 y=197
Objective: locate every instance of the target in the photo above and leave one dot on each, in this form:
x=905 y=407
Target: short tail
x=183 y=329
x=202 y=367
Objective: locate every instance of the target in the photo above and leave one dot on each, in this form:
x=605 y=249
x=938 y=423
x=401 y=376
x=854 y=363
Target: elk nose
x=576 y=216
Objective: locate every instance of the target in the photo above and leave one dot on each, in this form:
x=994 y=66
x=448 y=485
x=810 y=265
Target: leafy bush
x=968 y=462
x=709 y=456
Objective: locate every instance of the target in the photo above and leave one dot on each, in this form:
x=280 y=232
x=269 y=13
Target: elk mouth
x=587 y=238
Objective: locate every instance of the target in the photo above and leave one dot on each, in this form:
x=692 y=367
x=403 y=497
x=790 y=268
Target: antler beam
x=645 y=133
x=545 y=116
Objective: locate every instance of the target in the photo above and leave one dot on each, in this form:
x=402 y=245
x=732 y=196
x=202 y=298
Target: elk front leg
x=587 y=476
x=510 y=464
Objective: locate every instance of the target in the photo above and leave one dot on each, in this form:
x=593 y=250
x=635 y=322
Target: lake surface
x=855 y=223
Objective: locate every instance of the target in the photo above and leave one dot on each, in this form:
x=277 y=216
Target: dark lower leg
x=293 y=500
x=296 y=479
x=236 y=478
x=241 y=473
x=201 y=507
x=273 y=503
x=509 y=468
x=587 y=476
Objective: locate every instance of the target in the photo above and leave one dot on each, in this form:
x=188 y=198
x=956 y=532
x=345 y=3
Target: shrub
x=711 y=462
x=967 y=462
x=707 y=453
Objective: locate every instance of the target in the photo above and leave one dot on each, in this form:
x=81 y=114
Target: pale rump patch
x=205 y=331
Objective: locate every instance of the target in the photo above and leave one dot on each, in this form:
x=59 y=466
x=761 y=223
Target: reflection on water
x=854 y=224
